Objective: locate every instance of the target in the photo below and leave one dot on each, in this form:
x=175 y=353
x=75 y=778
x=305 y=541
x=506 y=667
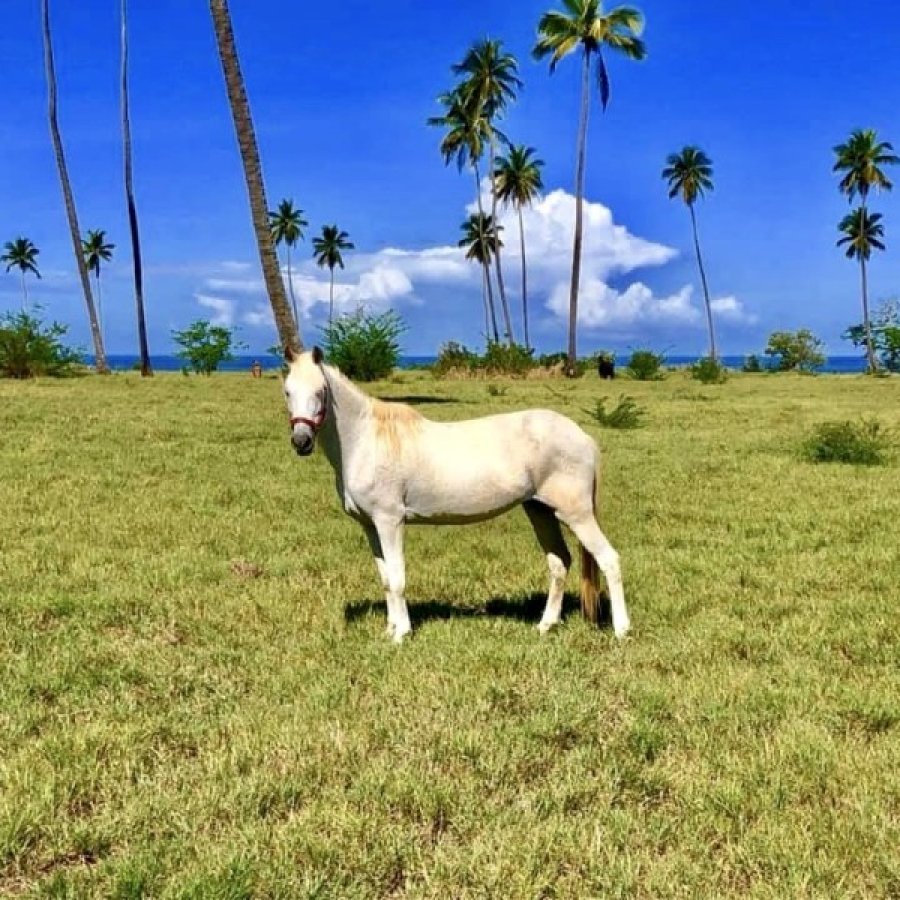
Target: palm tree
x=489 y=84
x=468 y=131
x=136 y=259
x=860 y=159
x=583 y=25
x=517 y=180
x=481 y=238
x=21 y=254
x=327 y=251
x=96 y=250
x=689 y=174
x=863 y=232
x=287 y=224
x=74 y=230
x=288 y=330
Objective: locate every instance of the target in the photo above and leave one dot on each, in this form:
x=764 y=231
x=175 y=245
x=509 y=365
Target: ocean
x=169 y=363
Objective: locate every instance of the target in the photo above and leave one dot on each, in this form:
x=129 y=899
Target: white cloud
x=732 y=310
x=599 y=305
x=223 y=309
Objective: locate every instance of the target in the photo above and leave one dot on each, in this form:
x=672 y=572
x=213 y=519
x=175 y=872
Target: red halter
x=315 y=423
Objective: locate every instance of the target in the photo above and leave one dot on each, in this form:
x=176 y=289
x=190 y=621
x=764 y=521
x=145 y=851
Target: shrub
x=625 y=414
x=507 y=359
x=709 y=371
x=551 y=360
x=29 y=348
x=795 y=350
x=495 y=390
x=204 y=346
x=885 y=325
x=752 y=364
x=453 y=357
x=645 y=365
x=364 y=346
x=863 y=443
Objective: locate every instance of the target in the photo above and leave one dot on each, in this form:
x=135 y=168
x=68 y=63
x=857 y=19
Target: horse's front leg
x=375 y=546
x=390 y=537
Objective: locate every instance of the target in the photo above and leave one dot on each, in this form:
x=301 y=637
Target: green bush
x=863 y=443
x=364 y=346
x=799 y=351
x=551 y=360
x=507 y=359
x=204 y=346
x=625 y=414
x=645 y=365
x=454 y=357
x=709 y=371
x=29 y=348
x=885 y=326
x=752 y=364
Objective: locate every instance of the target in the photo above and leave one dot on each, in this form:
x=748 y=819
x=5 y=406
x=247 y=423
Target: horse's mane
x=394 y=421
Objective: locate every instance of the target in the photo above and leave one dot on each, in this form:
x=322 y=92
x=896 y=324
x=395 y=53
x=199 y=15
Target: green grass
x=197 y=699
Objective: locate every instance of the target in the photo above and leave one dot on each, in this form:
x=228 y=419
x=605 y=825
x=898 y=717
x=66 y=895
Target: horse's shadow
x=521 y=609
x=420 y=399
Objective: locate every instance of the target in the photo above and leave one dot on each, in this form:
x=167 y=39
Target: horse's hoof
x=400 y=633
x=546 y=627
x=622 y=633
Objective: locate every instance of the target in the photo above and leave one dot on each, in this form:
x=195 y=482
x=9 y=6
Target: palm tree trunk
x=484 y=302
x=870 y=346
x=75 y=231
x=571 y=361
x=288 y=331
x=291 y=287
x=524 y=277
x=331 y=298
x=504 y=306
x=99 y=304
x=136 y=259
x=709 y=317
x=24 y=293
x=486 y=263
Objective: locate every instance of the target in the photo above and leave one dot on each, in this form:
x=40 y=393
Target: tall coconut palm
x=584 y=26
x=517 y=180
x=74 y=230
x=490 y=82
x=689 y=174
x=136 y=259
x=481 y=239
x=862 y=233
x=468 y=132
x=861 y=160
x=287 y=224
x=21 y=254
x=327 y=251
x=96 y=251
x=288 y=331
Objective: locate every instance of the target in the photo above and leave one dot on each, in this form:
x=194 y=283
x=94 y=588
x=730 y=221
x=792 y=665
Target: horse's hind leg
x=587 y=531
x=550 y=537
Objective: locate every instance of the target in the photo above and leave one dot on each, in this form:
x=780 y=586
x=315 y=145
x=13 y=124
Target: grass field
x=197 y=699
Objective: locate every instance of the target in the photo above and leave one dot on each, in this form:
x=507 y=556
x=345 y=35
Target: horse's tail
x=590 y=607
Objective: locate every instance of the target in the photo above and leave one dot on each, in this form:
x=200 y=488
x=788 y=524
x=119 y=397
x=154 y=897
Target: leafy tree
x=861 y=160
x=862 y=233
x=287 y=224
x=327 y=251
x=134 y=232
x=364 y=346
x=885 y=331
x=22 y=255
x=795 y=350
x=489 y=85
x=68 y=197
x=689 y=174
x=481 y=238
x=96 y=250
x=28 y=348
x=517 y=180
x=288 y=331
x=205 y=346
x=584 y=26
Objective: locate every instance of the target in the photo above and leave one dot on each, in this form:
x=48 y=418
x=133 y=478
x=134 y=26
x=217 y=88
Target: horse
x=393 y=466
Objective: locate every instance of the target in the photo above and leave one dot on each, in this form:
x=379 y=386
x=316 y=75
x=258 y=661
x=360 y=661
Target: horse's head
x=305 y=391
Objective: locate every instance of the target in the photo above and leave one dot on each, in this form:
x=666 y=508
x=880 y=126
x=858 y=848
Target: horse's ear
x=317 y=355
x=289 y=354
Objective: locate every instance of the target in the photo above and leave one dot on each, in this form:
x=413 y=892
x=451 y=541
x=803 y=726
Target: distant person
x=256 y=369
x=606 y=367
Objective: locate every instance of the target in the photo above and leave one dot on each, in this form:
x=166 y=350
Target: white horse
x=392 y=465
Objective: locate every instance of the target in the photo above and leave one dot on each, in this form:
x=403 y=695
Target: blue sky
x=340 y=95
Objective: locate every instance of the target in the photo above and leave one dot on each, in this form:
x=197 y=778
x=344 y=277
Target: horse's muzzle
x=303 y=443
